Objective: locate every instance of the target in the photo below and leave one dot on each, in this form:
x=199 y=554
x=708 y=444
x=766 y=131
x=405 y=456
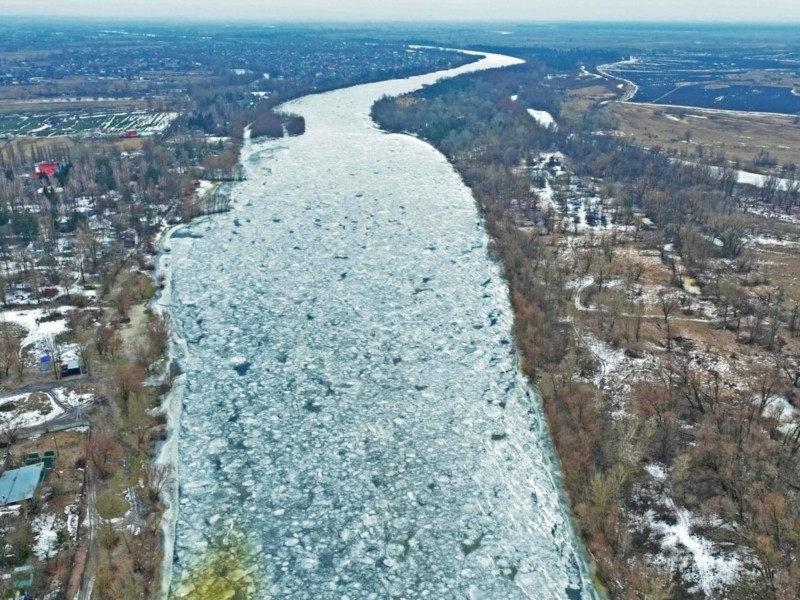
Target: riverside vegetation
x=658 y=323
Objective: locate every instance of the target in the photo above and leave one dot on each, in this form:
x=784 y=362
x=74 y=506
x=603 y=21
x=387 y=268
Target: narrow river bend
x=352 y=400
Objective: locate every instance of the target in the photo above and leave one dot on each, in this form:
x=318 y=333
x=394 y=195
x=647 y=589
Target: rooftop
x=20 y=484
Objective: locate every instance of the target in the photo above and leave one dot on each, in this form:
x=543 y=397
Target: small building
x=23 y=579
x=70 y=367
x=19 y=485
x=47 y=169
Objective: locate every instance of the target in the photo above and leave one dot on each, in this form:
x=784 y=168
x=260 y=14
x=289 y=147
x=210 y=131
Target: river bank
x=167 y=454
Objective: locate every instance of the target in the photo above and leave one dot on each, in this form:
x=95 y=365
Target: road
x=73 y=416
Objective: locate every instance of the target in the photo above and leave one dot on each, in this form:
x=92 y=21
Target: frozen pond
x=352 y=399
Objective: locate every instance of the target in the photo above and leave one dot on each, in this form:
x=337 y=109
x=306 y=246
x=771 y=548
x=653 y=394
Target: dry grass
x=578 y=100
x=69 y=446
x=739 y=136
x=21 y=106
x=61 y=142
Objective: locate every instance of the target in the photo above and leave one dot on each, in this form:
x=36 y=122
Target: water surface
x=352 y=400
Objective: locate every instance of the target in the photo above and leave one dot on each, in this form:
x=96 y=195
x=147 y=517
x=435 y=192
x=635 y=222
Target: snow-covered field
x=38 y=331
x=84 y=124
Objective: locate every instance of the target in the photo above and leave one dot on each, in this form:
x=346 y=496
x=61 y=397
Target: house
x=19 y=485
x=47 y=169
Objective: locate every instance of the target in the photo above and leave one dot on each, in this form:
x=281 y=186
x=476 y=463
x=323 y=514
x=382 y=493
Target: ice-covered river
x=352 y=400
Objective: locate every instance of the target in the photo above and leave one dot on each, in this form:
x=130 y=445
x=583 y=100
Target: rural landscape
x=642 y=209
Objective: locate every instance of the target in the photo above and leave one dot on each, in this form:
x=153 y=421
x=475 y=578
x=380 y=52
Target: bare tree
x=668 y=303
x=157 y=478
x=103 y=451
x=10 y=346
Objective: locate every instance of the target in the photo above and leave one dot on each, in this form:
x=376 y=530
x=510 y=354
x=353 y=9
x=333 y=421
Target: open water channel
x=352 y=402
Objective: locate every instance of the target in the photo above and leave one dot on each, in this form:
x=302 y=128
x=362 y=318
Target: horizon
x=411 y=12
x=175 y=20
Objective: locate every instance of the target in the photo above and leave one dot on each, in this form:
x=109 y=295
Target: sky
x=780 y=11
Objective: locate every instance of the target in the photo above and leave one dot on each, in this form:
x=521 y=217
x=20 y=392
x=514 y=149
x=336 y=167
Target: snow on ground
x=545 y=195
x=205 y=187
x=73 y=518
x=586 y=73
x=45 y=529
x=69 y=397
x=672 y=117
x=780 y=409
x=38 y=332
x=543 y=118
x=762 y=240
x=769 y=213
x=582 y=210
x=699 y=560
x=690 y=286
x=21 y=411
x=618 y=372
x=729 y=372
x=586 y=212
x=656 y=471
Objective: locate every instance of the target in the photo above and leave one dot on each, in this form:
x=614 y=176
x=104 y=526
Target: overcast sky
x=412 y=10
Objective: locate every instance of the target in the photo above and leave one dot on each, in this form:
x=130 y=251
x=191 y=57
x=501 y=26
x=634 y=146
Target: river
x=352 y=402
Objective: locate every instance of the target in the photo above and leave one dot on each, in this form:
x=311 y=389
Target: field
x=697 y=133
x=740 y=136
x=82 y=124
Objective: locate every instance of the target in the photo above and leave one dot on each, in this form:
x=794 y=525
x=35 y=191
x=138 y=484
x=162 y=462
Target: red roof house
x=47 y=169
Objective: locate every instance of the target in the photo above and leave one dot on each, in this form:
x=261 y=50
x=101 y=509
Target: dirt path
x=133 y=333
x=588 y=281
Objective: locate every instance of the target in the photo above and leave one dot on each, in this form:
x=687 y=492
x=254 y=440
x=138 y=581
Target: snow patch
x=705 y=563
x=45 y=530
x=656 y=471
x=69 y=397
x=543 y=118
x=19 y=412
